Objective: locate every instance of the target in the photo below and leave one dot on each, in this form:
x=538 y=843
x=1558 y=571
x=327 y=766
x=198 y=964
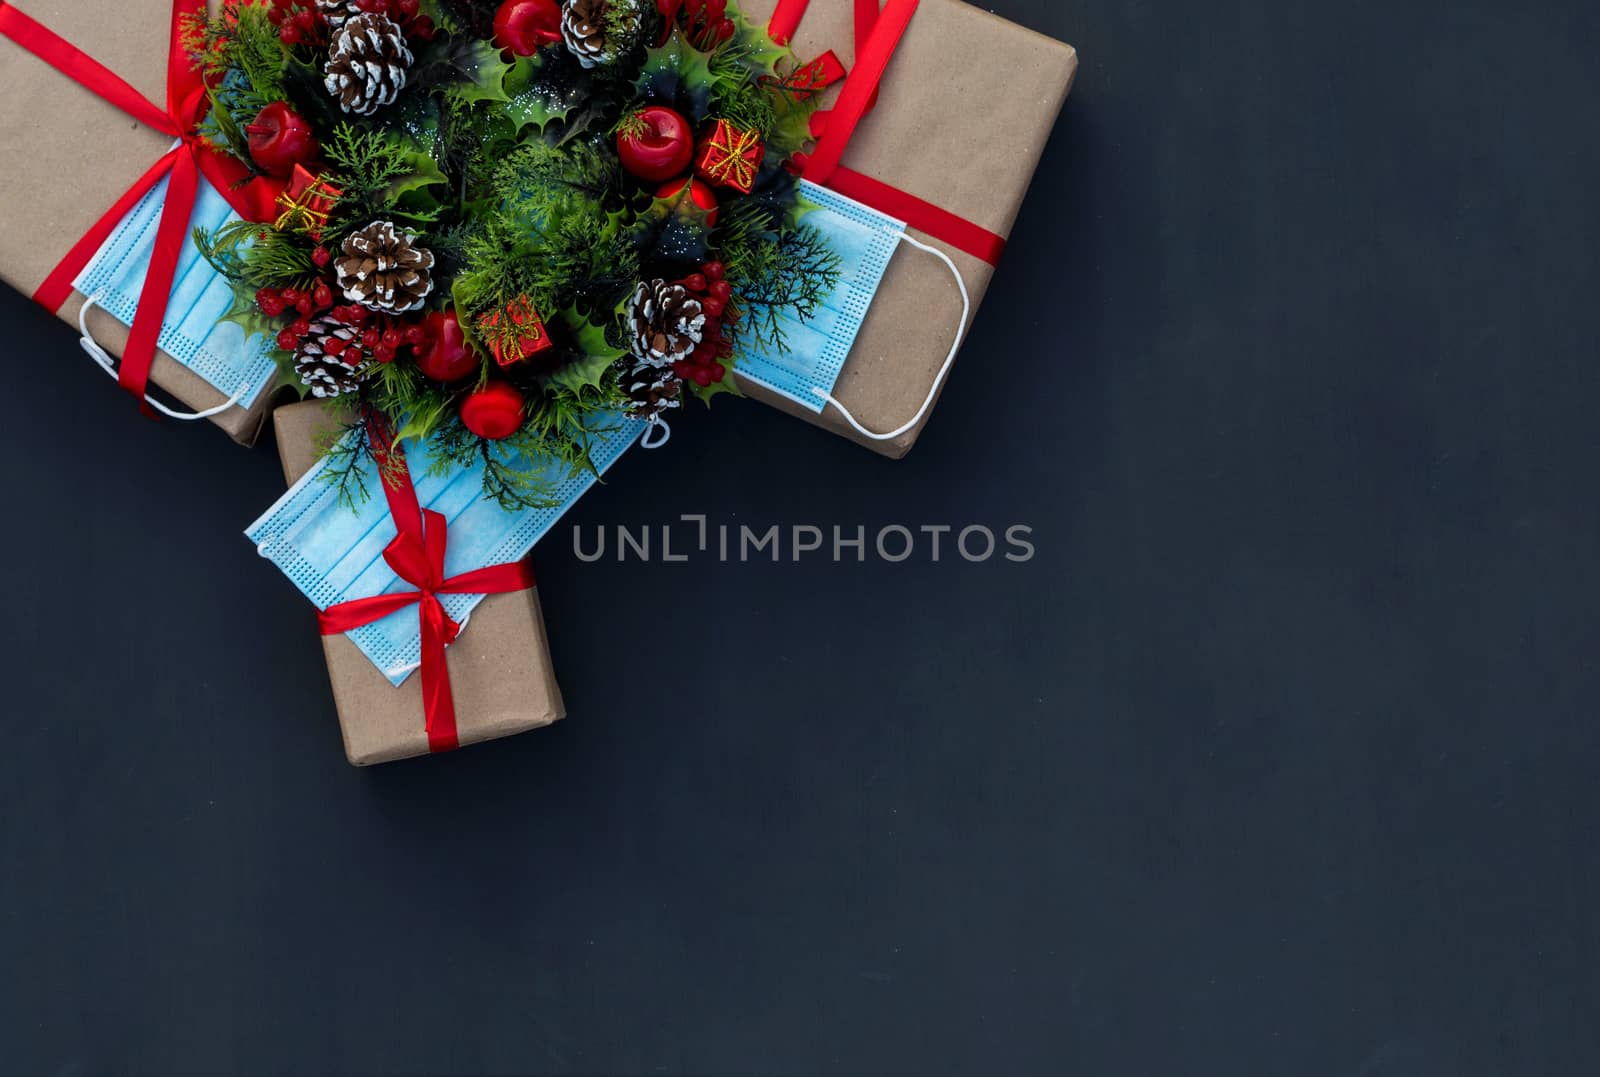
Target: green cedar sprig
x=253 y=256
x=242 y=53
x=348 y=448
x=795 y=274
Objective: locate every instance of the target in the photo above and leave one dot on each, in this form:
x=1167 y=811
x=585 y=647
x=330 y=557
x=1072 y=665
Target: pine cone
x=329 y=375
x=599 y=31
x=367 y=64
x=384 y=269
x=667 y=323
x=651 y=389
x=338 y=12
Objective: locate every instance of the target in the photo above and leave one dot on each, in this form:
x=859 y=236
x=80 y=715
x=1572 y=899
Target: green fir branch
x=255 y=256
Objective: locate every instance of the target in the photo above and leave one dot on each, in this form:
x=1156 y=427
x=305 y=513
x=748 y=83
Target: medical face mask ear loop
x=100 y=356
x=944 y=371
x=658 y=425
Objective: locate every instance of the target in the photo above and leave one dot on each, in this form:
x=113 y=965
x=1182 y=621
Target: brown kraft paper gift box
x=963 y=114
x=72 y=155
x=500 y=668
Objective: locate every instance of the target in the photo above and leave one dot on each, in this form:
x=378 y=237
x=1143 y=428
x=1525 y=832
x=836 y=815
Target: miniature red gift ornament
x=306 y=202
x=529 y=339
x=731 y=157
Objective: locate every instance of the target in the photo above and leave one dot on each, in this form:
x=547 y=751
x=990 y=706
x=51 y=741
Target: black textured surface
x=1279 y=759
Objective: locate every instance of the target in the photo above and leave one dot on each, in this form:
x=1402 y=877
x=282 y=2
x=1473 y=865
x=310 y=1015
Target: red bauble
x=280 y=139
x=526 y=26
x=443 y=354
x=658 y=146
x=701 y=193
x=493 y=412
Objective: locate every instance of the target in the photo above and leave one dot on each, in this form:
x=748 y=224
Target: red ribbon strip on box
x=252 y=197
x=878 y=35
x=417 y=556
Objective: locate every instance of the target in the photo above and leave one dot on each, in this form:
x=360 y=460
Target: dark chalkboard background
x=1279 y=758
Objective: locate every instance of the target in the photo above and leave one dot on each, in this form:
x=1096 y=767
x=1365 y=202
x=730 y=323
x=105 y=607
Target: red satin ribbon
x=878 y=35
x=417 y=556
x=252 y=197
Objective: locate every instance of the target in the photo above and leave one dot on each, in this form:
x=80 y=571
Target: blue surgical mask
x=817 y=348
x=191 y=332
x=334 y=554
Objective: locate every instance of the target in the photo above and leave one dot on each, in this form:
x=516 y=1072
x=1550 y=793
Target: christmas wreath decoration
x=505 y=224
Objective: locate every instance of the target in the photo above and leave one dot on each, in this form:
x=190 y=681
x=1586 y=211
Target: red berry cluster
x=382 y=335
x=276 y=302
x=301 y=22
x=705 y=367
x=705 y=22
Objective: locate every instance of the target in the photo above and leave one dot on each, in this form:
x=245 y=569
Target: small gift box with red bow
x=500 y=678
x=515 y=334
x=432 y=627
x=731 y=157
x=306 y=202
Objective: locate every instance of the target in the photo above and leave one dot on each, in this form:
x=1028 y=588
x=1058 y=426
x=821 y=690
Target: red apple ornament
x=280 y=139
x=701 y=193
x=443 y=354
x=494 y=412
x=526 y=26
x=657 y=145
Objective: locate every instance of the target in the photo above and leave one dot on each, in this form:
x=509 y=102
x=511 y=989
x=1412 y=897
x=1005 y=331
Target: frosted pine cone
x=330 y=360
x=384 y=269
x=666 y=323
x=338 y=12
x=599 y=31
x=651 y=389
x=367 y=64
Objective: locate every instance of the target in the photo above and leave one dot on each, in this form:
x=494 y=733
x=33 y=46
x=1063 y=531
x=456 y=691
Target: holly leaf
x=425 y=172
x=599 y=354
x=756 y=47
x=539 y=94
x=678 y=74
x=675 y=230
x=467 y=68
x=538 y=109
x=463 y=304
x=425 y=418
x=244 y=313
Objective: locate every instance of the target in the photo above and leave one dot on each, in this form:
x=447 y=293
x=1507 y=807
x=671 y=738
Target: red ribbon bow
x=252 y=197
x=417 y=556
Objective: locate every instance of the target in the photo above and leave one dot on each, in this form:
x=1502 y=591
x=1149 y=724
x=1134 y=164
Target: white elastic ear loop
x=657 y=425
x=944 y=371
x=99 y=355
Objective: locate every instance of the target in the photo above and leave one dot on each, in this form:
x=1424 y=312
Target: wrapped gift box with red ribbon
x=947 y=140
x=500 y=678
x=98 y=130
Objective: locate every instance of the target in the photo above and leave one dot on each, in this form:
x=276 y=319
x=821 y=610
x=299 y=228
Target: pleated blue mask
x=191 y=333
x=335 y=554
x=816 y=348
x=806 y=370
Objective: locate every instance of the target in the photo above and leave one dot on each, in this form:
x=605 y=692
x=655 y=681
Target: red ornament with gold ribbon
x=731 y=157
